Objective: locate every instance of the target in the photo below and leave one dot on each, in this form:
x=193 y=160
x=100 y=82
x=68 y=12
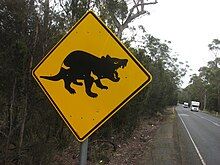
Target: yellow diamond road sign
x=89 y=75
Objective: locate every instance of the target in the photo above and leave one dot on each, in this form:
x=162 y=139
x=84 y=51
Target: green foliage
x=117 y=8
x=215 y=46
x=194 y=91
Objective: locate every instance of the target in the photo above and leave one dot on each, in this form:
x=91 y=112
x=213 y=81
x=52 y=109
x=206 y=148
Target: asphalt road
x=199 y=134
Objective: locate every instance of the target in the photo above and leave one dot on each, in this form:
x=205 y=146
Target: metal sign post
x=83 y=152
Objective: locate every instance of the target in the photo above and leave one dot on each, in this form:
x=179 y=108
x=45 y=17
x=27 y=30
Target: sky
x=189 y=24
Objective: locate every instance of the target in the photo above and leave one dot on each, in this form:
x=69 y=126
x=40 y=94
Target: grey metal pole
x=83 y=152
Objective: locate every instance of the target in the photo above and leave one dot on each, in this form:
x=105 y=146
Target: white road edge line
x=210 y=121
x=197 y=150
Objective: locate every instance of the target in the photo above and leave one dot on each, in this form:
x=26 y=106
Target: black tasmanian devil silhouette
x=80 y=65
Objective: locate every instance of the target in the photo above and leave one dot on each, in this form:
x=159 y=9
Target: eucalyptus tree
x=211 y=77
x=25 y=33
x=197 y=89
x=117 y=14
x=70 y=11
x=214 y=67
x=214 y=47
x=15 y=63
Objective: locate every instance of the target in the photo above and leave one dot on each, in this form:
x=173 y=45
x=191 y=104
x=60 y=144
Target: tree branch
x=3 y=134
x=132 y=16
x=138 y=13
x=115 y=20
x=143 y=4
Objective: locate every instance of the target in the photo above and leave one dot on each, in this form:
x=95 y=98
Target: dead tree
x=138 y=8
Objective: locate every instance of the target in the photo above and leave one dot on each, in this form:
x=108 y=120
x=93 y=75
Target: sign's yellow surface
x=76 y=73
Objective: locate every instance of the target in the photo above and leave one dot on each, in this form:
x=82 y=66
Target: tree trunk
x=25 y=105
x=26 y=78
x=10 y=118
x=218 y=105
x=204 y=106
x=45 y=28
x=23 y=125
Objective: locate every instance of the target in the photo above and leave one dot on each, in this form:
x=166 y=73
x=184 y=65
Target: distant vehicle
x=194 y=106
x=185 y=105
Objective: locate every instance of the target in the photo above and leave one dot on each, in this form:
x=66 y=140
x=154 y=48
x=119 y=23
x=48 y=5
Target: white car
x=185 y=105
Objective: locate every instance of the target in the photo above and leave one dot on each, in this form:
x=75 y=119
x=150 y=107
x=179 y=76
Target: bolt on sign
x=89 y=75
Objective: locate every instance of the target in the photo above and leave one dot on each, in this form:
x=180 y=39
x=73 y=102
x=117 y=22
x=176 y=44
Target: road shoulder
x=164 y=147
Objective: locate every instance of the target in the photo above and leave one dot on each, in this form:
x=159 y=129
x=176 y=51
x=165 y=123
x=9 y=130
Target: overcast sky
x=189 y=24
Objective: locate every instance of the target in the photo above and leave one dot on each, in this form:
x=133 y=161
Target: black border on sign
x=120 y=105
